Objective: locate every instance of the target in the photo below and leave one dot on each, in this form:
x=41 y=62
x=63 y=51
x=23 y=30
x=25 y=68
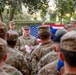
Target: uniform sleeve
x=41 y=63
x=21 y=65
x=17 y=47
x=34 y=61
x=36 y=42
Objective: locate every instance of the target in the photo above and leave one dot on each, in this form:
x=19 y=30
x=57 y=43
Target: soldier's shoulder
x=46 y=58
x=69 y=74
x=36 y=49
x=51 y=54
x=11 y=70
x=49 y=69
x=51 y=65
x=2 y=72
x=20 y=37
x=33 y=37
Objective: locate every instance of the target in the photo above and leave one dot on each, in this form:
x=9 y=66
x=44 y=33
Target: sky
x=52 y=0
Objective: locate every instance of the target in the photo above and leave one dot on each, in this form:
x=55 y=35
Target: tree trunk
x=1 y=18
x=70 y=16
x=11 y=14
x=61 y=19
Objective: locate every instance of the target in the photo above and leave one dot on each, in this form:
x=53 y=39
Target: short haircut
x=70 y=57
x=44 y=36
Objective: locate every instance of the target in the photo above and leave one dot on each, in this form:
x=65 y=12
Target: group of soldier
x=23 y=55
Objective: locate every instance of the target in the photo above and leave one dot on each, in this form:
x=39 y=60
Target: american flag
x=34 y=30
x=53 y=29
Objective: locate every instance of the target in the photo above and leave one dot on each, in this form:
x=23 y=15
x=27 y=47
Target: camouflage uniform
x=2 y=72
x=69 y=74
x=16 y=59
x=3 y=52
x=11 y=70
x=49 y=69
x=68 y=49
x=48 y=58
x=22 y=41
x=40 y=51
x=12 y=23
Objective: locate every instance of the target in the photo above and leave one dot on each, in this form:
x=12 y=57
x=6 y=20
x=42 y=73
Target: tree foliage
x=16 y=5
x=65 y=7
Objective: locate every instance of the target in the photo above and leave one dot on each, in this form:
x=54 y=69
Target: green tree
x=2 y=5
x=64 y=7
x=16 y=5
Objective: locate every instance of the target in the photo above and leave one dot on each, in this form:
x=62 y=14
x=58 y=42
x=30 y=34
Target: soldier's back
x=38 y=53
x=48 y=58
x=16 y=60
x=11 y=70
x=2 y=72
x=49 y=69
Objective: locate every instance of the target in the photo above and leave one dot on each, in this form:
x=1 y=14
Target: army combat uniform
x=40 y=51
x=14 y=58
x=22 y=41
x=11 y=70
x=48 y=58
x=49 y=69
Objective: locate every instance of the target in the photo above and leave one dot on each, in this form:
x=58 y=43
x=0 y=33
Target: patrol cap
x=26 y=27
x=59 y=33
x=68 y=41
x=3 y=45
x=68 y=26
x=11 y=23
x=43 y=29
x=12 y=35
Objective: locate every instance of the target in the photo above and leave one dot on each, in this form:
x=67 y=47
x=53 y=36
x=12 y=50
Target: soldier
x=73 y=23
x=43 y=48
x=3 y=33
x=26 y=39
x=3 y=55
x=68 y=27
x=53 y=65
x=3 y=30
x=15 y=59
x=68 y=52
x=12 y=25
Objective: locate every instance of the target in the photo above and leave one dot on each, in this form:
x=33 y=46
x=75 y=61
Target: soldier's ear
x=61 y=56
x=54 y=48
x=8 y=35
x=5 y=57
x=39 y=36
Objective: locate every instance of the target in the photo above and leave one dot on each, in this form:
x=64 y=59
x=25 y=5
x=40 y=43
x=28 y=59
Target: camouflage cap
x=68 y=26
x=43 y=29
x=3 y=45
x=3 y=28
x=26 y=27
x=73 y=22
x=68 y=41
x=11 y=23
x=12 y=35
x=59 y=33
